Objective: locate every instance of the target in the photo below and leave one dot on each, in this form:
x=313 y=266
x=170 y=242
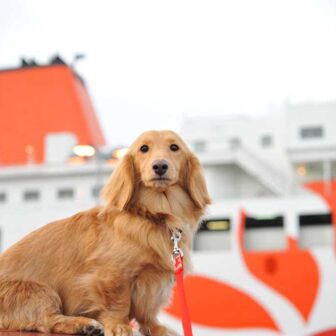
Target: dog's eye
x=144 y=148
x=174 y=147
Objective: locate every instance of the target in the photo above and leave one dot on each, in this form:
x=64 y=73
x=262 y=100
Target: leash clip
x=176 y=237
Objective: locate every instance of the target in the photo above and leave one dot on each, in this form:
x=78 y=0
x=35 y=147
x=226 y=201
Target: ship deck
x=25 y=333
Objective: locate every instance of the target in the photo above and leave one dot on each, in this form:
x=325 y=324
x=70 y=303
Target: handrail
x=271 y=176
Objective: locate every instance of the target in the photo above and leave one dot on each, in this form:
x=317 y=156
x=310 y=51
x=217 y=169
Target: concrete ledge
x=24 y=333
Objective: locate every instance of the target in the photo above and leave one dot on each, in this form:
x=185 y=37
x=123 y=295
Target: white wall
x=19 y=217
x=221 y=130
x=311 y=114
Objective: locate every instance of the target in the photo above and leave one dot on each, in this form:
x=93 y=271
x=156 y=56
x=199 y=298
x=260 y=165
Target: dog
x=94 y=272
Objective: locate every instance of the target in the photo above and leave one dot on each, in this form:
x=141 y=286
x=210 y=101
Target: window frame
x=311 y=132
x=63 y=193
x=3 y=197
x=266 y=141
x=30 y=192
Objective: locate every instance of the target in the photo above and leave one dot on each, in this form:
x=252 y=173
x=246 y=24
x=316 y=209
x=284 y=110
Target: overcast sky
x=151 y=63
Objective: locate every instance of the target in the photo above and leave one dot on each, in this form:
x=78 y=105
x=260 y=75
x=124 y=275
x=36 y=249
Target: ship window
x=266 y=141
x=3 y=197
x=31 y=195
x=264 y=233
x=315 y=230
x=96 y=191
x=213 y=235
x=333 y=168
x=311 y=132
x=222 y=224
x=199 y=146
x=66 y=193
x=234 y=143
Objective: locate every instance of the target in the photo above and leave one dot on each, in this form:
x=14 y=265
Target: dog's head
x=157 y=160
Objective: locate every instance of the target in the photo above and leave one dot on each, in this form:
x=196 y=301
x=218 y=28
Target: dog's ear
x=196 y=184
x=119 y=189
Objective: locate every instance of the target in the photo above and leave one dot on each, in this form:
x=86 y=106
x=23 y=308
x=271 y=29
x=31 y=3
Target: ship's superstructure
x=39 y=101
x=264 y=261
x=266 y=156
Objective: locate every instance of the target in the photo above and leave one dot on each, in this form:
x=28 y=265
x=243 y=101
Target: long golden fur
x=103 y=267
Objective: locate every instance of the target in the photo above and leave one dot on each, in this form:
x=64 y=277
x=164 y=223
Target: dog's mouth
x=159 y=182
x=160 y=179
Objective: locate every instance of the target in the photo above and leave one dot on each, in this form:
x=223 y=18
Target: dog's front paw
x=93 y=329
x=119 y=330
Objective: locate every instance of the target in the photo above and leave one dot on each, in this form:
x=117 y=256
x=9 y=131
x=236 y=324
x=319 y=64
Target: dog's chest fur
x=154 y=284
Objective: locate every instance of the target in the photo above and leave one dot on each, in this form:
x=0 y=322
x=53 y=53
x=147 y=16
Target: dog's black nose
x=160 y=167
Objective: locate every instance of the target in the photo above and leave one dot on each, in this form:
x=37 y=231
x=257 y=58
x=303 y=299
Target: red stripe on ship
x=216 y=304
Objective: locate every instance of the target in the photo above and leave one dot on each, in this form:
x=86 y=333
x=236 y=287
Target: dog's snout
x=160 y=167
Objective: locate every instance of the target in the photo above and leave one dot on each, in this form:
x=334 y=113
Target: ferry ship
x=264 y=256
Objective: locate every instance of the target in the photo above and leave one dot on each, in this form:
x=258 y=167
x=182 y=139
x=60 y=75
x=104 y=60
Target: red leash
x=178 y=268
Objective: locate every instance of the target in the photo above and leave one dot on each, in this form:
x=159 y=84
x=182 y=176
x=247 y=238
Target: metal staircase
x=272 y=178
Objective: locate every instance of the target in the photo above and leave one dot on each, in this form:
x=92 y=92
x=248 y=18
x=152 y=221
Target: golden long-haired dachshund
x=95 y=271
